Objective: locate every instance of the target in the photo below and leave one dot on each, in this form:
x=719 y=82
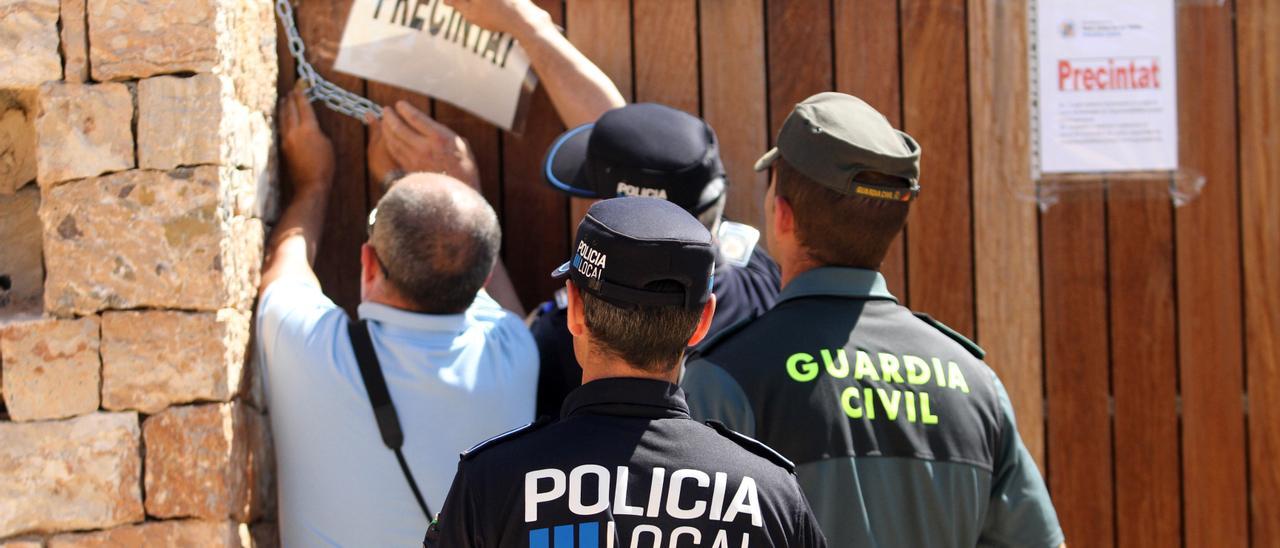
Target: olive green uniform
x=901 y=435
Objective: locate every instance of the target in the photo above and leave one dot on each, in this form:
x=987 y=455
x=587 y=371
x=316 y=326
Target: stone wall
x=136 y=172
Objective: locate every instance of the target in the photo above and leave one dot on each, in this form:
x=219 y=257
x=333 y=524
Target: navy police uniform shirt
x=624 y=467
x=901 y=435
x=742 y=293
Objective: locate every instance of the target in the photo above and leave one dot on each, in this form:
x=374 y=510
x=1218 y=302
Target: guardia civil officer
x=656 y=151
x=625 y=465
x=902 y=435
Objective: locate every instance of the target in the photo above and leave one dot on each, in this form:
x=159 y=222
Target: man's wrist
x=531 y=21
x=390 y=178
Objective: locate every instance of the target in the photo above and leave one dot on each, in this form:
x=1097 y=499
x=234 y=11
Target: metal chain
x=318 y=89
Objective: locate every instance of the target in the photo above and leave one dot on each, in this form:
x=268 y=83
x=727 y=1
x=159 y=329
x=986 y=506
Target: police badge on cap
x=625 y=246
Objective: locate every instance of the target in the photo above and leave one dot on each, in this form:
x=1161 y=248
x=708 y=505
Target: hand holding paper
x=509 y=16
x=580 y=91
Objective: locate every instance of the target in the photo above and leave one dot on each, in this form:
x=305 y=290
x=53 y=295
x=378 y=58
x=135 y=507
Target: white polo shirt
x=455 y=380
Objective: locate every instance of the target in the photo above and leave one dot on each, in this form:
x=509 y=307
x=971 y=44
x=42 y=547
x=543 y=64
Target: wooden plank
x=1006 y=238
x=338 y=259
x=1210 y=331
x=1258 y=55
x=666 y=53
x=867 y=63
x=799 y=55
x=935 y=112
x=1076 y=367
x=601 y=30
x=537 y=217
x=731 y=38
x=1144 y=371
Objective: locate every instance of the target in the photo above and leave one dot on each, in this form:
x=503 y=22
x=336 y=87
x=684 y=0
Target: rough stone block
x=207 y=461
x=75 y=41
x=17 y=139
x=140 y=38
x=148 y=239
x=29 y=43
x=247 y=30
x=50 y=368
x=154 y=359
x=21 y=263
x=222 y=534
x=75 y=474
x=83 y=131
x=197 y=121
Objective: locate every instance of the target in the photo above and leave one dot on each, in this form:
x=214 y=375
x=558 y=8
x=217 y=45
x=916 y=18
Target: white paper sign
x=1107 y=85
x=425 y=46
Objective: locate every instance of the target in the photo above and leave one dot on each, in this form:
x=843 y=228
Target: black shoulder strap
x=384 y=412
x=969 y=345
x=755 y=446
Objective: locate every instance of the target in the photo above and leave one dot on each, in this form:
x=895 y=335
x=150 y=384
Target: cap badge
x=589 y=262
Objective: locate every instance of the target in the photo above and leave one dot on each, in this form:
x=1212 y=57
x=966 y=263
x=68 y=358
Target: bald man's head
x=437 y=239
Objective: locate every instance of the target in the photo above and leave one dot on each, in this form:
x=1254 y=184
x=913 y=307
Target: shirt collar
x=391 y=316
x=837 y=281
x=627 y=397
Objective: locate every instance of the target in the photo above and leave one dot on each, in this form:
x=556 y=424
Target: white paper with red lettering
x=1107 y=86
x=424 y=46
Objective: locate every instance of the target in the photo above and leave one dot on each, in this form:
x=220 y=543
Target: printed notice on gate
x=427 y=47
x=1107 y=86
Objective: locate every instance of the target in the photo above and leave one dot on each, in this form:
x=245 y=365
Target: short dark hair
x=437 y=240
x=837 y=229
x=651 y=338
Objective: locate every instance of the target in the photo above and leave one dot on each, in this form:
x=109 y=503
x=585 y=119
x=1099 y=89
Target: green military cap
x=833 y=137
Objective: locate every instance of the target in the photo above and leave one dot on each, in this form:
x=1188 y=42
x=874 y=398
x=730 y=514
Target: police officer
x=625 y=466
x=655 y=151
x=902 y=435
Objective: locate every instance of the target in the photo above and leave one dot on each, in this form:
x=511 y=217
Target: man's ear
x=704 y=323
x=577 y=318
x=784 y=218
x=369 y=270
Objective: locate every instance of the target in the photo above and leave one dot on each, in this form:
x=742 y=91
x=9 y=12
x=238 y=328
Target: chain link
x=318 y=89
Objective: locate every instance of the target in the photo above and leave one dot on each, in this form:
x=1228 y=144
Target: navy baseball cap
x=626 y=247
x=643 y=149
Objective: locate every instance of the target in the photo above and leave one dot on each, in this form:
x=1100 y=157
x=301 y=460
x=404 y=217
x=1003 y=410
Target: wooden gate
x=1139 y=341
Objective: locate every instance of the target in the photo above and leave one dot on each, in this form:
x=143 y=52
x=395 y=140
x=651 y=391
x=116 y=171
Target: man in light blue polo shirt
x=459 y=368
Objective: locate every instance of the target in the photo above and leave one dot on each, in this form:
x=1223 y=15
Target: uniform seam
x=917 y=456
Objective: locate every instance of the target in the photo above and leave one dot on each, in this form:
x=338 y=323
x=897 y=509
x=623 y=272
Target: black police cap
x=626 y=248
x=643 y=149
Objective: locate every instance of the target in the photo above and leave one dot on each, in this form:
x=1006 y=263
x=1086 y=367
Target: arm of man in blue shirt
x=308 y=154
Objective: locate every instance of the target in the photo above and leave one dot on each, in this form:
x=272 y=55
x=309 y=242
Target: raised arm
x=578 y=88
x=308 y=155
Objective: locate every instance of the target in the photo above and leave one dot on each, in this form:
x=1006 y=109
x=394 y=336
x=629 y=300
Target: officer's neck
x=796 y=264
x=598 y=367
